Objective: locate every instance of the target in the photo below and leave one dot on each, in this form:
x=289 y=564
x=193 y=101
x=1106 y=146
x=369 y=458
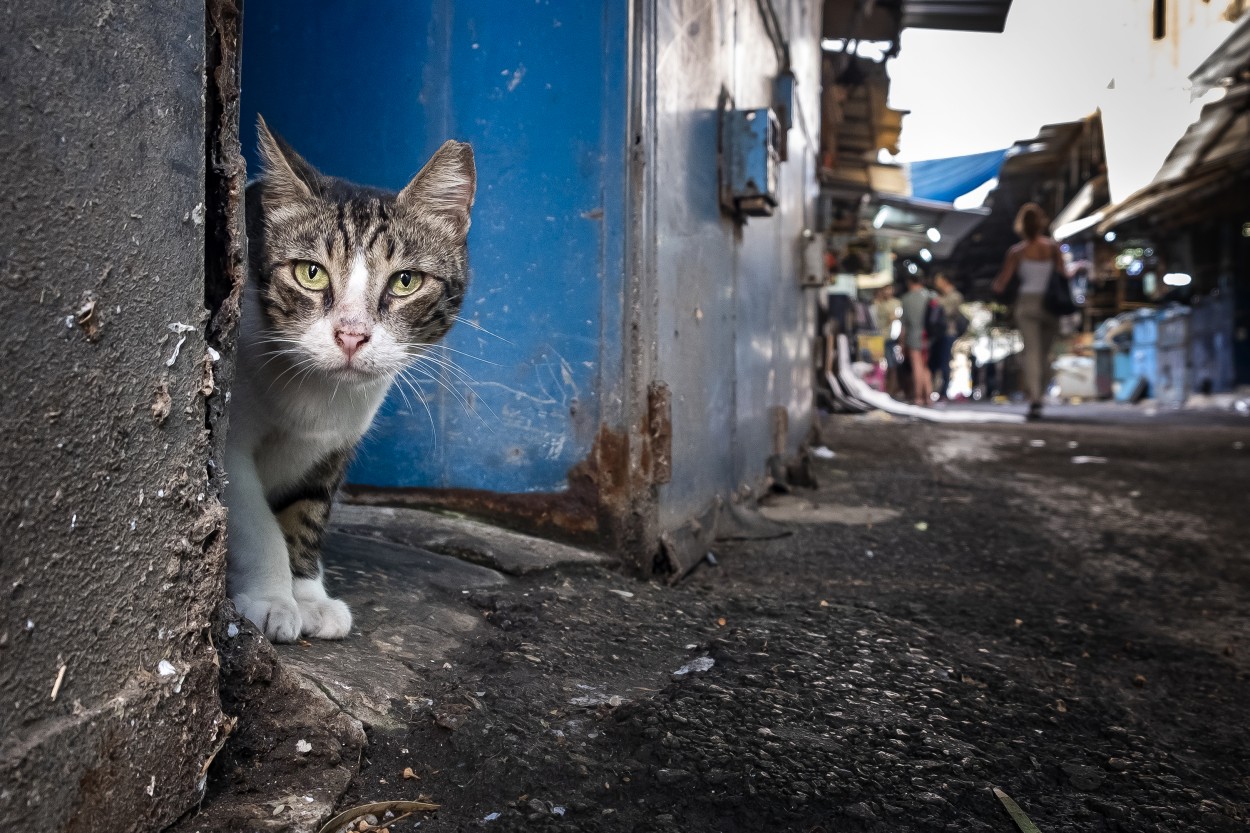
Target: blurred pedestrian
x=887 y=311
x=1031 y=261
x=940 y=350
x=915 y=304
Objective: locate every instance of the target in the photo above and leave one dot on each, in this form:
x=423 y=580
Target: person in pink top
x=1032 y=260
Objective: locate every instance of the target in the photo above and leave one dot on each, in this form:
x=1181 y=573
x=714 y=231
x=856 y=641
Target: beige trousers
x=1038 y=329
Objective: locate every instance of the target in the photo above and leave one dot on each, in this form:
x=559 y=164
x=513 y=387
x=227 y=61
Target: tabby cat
x=346 y=284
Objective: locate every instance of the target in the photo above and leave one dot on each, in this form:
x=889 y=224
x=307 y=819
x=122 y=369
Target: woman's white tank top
x=1034 y=275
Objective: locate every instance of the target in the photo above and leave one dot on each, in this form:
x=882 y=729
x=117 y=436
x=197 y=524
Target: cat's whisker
x=460 y=373
x=463 y=376
x=471 y=323
x=447 y=349
x=449 y=386
x=420 y=398
x=302 y=368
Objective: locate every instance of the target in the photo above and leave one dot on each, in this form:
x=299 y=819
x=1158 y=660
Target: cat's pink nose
x=350 y=341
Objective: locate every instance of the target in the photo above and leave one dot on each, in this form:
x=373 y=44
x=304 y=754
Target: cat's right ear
x=286 y=174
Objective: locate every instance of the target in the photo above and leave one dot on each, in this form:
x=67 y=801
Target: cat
x=345 y=284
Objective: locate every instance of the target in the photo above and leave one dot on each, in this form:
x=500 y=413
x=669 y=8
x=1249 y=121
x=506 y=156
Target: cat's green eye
x=406 y=283
x=311 y=275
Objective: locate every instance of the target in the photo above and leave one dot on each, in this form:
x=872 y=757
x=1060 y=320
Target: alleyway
x=1074 y=633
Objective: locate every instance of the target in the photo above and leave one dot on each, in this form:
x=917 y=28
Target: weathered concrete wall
x=112 y=550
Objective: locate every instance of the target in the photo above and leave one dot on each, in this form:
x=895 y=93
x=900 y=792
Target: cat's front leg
x=303 y=522
x=259 y=570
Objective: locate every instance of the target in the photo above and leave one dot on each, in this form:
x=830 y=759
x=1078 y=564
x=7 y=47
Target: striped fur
x=315 y=363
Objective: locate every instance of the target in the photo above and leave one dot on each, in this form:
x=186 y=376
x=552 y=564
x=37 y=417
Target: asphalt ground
x=1060 y=610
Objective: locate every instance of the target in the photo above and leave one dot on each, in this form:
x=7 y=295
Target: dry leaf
x=376 y=809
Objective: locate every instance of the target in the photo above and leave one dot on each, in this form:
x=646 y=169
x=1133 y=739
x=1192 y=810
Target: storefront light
x=1110 y=236
x=926 y=255
x=1177 y=279
x=879 y=220
x=934 y=235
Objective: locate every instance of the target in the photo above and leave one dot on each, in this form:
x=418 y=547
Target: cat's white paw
x=325 y=618
x=278 y=617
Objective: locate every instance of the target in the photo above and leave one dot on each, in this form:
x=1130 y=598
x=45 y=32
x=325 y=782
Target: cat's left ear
x=444 y=187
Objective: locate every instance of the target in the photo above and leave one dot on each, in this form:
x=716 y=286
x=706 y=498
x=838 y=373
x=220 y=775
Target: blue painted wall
x=368 y=91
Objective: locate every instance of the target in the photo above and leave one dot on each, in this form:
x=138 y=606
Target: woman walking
x=1032 y=260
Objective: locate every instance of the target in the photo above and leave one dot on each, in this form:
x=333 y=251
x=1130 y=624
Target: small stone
x=1084 y=777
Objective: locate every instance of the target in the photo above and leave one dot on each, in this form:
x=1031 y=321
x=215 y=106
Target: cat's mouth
x=353 y=373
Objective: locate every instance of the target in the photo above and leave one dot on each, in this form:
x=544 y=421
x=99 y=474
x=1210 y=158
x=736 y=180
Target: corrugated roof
x=1226 y=61
x=1215 y=148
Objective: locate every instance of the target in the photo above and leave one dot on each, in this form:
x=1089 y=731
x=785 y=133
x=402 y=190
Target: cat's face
x=352 y=280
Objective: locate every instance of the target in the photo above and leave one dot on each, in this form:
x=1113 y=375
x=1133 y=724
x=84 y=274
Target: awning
x=1080 y=215
x=951 y=177
x=1172 y=196
x=844 y=19
x=912 y=223
x=1211 y=157
x=958 y=15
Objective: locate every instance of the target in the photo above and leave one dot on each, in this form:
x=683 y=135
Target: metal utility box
x=1211 y=345
x=1145 y=355
x=751 y=160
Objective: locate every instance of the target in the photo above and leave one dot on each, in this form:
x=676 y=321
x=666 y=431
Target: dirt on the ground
x=1057 y=610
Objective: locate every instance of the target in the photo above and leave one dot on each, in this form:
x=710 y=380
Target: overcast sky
x=974 y=92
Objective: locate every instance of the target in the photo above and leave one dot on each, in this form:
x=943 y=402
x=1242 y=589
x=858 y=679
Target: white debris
x=1072 y=443
x=197 y=214
x=624 y=594
x=213 y=355
x=557 y=810
x=824 y=453
x=302 y=746
x=151 y=789
x=1037 y=443
x=232 y=630
x=490 y=817
x=1082 y=460
x=696 y=665
x=69 y=322
x=597 y=699
x=181 y=330
x=166 y=668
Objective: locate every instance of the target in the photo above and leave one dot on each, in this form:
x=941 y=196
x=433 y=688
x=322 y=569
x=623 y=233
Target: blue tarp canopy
x=945 y=179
